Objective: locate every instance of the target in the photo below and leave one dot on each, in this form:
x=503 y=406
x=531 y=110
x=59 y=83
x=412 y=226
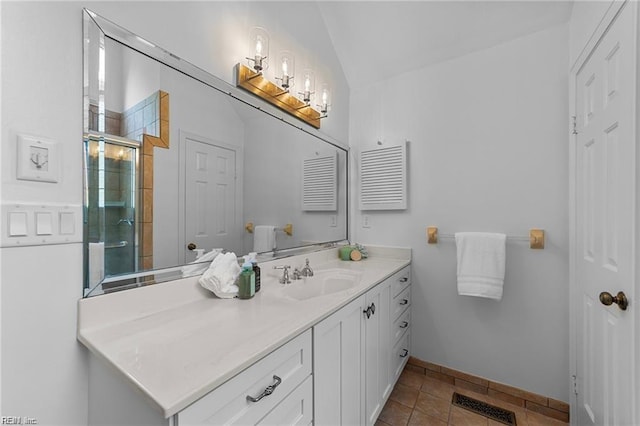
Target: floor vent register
x=487 y=410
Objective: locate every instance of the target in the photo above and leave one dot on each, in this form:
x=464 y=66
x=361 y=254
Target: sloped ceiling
x=376 y=40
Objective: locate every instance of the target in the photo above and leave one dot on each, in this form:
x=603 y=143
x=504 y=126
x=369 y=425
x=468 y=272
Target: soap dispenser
x=246 y=283
x=256 y=269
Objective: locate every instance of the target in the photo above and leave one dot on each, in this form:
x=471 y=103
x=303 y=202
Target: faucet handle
x=285 y=274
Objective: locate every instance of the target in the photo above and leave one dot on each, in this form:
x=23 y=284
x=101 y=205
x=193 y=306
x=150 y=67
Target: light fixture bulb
x=324 y=96
x=285 y=68
x=307 y=84
x=259 y=47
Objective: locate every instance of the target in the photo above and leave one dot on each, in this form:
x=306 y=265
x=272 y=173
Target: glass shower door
x=111 y=191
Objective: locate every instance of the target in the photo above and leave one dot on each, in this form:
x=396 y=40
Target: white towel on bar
x=264 y=238
x=481 y=264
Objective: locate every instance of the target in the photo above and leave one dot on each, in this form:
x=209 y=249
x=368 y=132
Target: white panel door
x=210 y=196
x=605 y=195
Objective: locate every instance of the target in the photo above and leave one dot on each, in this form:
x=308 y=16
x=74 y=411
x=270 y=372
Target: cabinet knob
x=404 y=279
x=404 y=301
x=404 y=324
x=404 y=353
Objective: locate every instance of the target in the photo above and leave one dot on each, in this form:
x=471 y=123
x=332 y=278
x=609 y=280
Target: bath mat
x=487 y=410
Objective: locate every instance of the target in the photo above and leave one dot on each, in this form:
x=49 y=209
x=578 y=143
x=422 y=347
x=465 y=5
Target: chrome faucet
x=285 y=274
x=306 y=271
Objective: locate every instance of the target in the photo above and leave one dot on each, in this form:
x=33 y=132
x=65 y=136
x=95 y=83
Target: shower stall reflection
x=111 y=191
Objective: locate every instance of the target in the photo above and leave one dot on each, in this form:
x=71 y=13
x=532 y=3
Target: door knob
x=620 y=299
x=192 y=246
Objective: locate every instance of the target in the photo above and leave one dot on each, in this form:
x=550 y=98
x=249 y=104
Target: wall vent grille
x=383 y=178
x=320 y=183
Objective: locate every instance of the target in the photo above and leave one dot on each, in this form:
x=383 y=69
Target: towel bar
x=287 y=229
x=535 y=238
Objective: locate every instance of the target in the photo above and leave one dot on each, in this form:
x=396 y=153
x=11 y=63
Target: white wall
x=44 y=370
x=487 y=152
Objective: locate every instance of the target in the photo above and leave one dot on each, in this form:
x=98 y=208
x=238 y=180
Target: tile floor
x=425 y=401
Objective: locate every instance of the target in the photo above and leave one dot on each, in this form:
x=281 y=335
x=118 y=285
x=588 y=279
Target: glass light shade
x=259 y=49
x=308 y=85
x=287 y=71
x=325 y=98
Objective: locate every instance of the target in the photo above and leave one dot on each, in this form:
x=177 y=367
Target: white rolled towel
x=481 y=264
x=221 y=276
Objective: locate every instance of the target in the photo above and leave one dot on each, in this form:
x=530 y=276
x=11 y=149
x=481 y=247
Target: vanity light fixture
x=259 y=45
x=251 y=78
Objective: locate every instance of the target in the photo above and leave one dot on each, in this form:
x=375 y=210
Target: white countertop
x=176 y=342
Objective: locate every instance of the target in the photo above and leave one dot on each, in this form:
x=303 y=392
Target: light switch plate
x=38 y=159
x=366 y=221
x=29 y=224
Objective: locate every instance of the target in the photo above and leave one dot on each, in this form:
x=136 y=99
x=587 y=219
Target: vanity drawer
x=399 y=356
x=296 y=409
x=400 y=326
x=289 y=365
x=400 y=280
x=400 y=303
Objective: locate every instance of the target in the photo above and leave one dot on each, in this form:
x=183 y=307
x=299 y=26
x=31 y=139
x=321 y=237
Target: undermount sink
x=323 y=282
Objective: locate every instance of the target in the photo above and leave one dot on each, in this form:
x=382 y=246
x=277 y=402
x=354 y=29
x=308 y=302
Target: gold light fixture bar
x=257 y=84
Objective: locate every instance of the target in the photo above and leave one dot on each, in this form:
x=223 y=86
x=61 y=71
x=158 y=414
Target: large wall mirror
x=177 y=161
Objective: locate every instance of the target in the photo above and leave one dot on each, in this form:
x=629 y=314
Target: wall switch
x=17 y=224
x=366 y=221
x=44 y=223
x=333 y=221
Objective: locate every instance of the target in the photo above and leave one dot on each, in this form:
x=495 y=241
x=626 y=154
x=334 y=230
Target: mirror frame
x=109 y=29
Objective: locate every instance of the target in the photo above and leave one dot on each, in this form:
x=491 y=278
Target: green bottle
x=247 y=281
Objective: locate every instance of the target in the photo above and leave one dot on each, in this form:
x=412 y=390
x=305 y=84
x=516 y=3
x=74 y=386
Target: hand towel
x=201 y=264
x=264 y=238
x=221 y=276
x=481 y=264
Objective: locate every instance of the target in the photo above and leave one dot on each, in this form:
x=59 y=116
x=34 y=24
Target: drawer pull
x=404 y=279
x=404 y=353
x=371 y=309
x=404 y=324
x=404 y=301
x=268 y=390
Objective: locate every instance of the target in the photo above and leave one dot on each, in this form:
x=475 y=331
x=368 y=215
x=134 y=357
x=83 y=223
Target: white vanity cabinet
x=280 y=385
x=355 y=354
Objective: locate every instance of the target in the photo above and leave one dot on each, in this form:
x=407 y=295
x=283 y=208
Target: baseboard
x=540 y=404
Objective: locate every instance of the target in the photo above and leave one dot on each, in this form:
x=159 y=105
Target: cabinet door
x=338 y=365
x=377 y=350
